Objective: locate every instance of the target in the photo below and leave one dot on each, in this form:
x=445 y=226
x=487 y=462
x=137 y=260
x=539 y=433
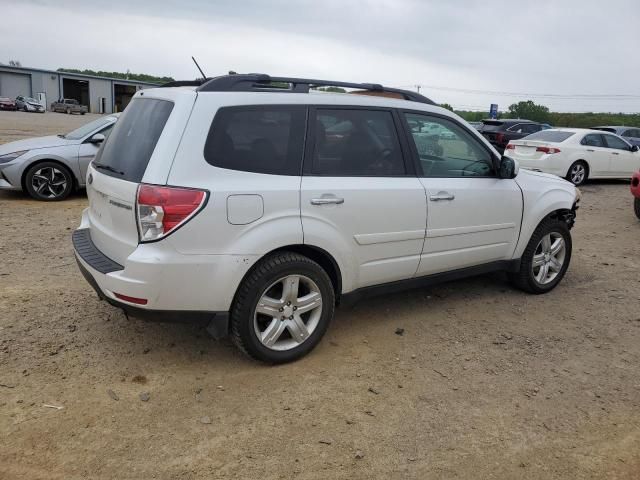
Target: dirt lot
x=485 y=382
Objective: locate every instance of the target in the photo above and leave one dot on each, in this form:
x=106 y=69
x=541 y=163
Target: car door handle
x=327 y=201
x=589 y=150
x=441 y=196
x=615 y=153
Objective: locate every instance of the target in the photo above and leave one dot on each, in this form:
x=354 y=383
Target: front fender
x=537 y=208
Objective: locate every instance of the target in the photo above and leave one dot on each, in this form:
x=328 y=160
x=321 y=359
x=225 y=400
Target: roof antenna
x=204 y=77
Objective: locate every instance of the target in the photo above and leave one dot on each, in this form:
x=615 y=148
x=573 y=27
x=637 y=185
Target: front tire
x=578 y=173
x=49 y=182
x=636 y=206
x=546 y=258
x=282 y=308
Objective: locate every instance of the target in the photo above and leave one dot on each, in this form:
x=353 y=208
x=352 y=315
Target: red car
x=7 y=104
x=635 y=191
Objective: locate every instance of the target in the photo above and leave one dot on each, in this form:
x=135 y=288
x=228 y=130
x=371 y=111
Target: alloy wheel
x=287 y=312
x=49 y=182
x=578 y=173
x=548 y=258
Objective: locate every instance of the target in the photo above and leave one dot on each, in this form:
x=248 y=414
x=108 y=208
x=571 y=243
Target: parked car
x=635 y=191
x=223 y=203
x=69 y=106
x=630 y=134
x=7 y=104
x=49 y=168
x=576 y=154
x=501 y=132
x=29 y=104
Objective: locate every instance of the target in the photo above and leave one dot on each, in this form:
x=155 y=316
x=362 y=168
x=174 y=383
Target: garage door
x=14 y=84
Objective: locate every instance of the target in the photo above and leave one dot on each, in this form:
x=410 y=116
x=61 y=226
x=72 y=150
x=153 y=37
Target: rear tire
x=49 y=181
x=546 y=258
x=578 y=173
x=636 y=206
x=264 y=322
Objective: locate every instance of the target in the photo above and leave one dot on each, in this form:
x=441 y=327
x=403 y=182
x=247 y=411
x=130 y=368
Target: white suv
x=257 y=204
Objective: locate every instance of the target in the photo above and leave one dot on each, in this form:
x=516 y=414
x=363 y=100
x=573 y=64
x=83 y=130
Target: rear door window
x=355 y=142
x=260 y=139
x=592 y=140
x=133 y=139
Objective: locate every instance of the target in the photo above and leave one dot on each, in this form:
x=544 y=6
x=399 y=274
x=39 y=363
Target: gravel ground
x=485 y=381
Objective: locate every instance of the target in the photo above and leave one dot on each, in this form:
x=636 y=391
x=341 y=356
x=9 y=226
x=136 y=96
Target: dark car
x=630 y=134
x=500 y=132
x=7 y=104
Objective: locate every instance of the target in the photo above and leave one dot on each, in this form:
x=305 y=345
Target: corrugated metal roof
x=9 y=68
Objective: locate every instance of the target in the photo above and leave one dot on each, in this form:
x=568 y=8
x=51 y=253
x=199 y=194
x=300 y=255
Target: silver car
x=28 y=104
x=50 y=168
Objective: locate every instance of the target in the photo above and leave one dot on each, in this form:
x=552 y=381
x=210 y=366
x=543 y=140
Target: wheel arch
x=555 y=203
x=317 y=254
x=23 y=177
x=576 y=160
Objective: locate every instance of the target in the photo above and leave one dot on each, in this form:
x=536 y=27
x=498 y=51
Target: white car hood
x=34 y=143
x=523 y=172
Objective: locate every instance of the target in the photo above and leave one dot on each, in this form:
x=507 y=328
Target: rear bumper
x=107 y=277
x=542 y=164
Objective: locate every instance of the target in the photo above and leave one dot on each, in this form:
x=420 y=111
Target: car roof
x=293 y=98
x=577 y=130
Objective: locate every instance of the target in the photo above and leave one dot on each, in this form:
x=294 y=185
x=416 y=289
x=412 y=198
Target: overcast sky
x=580 y=55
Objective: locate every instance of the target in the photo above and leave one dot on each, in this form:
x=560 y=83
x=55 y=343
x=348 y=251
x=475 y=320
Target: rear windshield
x=553 y=136
x=491 y=125
x=127 y=152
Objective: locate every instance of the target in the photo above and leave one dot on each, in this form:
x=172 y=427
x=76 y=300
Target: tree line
x=140 y=77
x=539 y=113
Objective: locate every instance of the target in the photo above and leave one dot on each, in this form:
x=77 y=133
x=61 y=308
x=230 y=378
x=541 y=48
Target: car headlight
x=11 y=156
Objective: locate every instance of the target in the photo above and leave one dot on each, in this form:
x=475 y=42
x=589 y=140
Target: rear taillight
x=499 y=137
x=511 y=146
x=548 y=150
x=161 y=210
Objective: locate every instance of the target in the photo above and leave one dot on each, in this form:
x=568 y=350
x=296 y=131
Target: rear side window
x=592 y=140
x=260 y=139
x=356 y=143
x=554 y=136
x=134 y=137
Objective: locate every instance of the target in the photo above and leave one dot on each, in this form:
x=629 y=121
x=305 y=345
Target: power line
x=574 y=96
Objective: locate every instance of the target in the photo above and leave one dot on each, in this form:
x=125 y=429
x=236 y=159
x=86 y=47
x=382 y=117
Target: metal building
x=100 y=94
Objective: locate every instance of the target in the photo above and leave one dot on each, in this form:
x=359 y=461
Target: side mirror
x=508 y=168
x=97 y=138
x=635 y=148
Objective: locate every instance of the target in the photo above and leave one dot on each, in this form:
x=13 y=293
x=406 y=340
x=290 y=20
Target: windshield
x=553 y=136
x=83 y=131
x=29 y=99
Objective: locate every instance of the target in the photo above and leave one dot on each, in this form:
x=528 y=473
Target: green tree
x=528 y=110
x=447 y=106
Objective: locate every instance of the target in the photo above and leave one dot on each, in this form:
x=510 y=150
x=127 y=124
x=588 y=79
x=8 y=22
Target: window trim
x=416 y=156
x=304 y=109
x=307 y=165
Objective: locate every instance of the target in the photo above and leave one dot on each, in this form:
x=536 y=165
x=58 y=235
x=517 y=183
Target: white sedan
x=576 y=154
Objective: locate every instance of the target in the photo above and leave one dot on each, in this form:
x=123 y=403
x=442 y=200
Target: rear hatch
x=490 y=128
x=140 y=148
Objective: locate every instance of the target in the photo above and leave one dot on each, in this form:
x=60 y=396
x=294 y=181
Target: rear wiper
x=108 y=168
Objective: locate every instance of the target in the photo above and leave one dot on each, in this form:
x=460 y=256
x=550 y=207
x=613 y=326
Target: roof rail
x=185 y=83
x=260 y=82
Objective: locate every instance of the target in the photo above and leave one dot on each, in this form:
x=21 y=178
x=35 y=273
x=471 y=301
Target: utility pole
x=418 y=88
